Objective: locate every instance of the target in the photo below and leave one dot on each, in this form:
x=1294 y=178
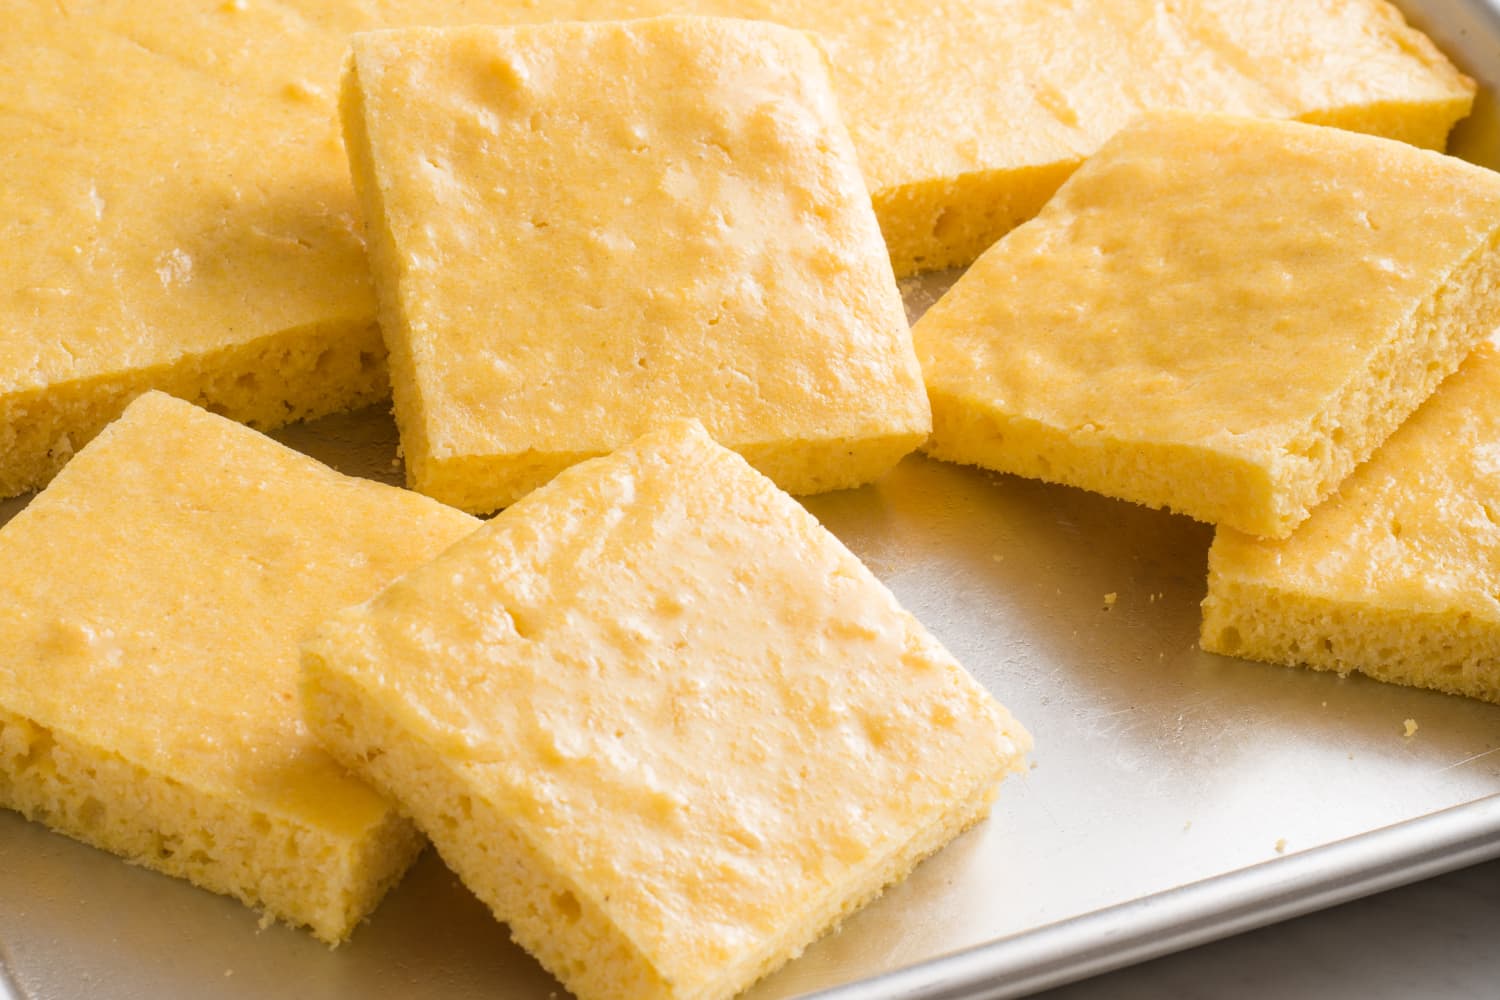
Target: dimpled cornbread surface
x=177 y=213
x=155 y=596
x=1217 y=315
x=661 y=721
x=579 y=230
x=1398 y=574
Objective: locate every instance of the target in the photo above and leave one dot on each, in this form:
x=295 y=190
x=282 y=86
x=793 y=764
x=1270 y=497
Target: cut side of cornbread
x=720 y=262
x=1398 y=574
x=155 y=596
x=1217 y=315
x=660 y=721
x=217 y=254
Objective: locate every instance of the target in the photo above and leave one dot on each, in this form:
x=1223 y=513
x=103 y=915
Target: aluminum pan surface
x=1175 y=795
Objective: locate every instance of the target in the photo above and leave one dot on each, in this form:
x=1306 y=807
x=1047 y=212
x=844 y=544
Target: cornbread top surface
x=157 y=590
x=1415 y=528
x=156 y=206
x=1208 y=280
x=175 y=183
x=686 y=693
x=596 y=226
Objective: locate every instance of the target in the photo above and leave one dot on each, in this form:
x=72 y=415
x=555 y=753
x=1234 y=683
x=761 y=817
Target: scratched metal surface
x=1158 y=766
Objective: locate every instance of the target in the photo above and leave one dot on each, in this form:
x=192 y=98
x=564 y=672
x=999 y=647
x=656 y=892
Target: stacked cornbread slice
x=1398 y=575
x=580 y=230
x=217 y=253
x=661 y=721
x=155 y=597
x=1218 y=315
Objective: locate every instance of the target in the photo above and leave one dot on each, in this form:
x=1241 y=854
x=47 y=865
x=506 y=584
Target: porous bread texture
x=164 y=257
x=266 y=383
x=723 y=262
x=1294 y=292
x=660 y=721
x=294 y=871
x=1397 y=576
x=160 y=585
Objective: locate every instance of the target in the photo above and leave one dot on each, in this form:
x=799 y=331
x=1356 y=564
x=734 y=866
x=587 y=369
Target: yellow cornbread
x=155 y=595
x=1398 y=574
x=580 y=230
x=660 y=721
x=176 y=209
x=1217 y=315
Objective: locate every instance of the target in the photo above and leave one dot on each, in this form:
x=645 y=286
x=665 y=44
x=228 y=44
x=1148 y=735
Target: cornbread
x=1217 y=315
x=721 y=261
x=217 y=254
x=155 y=596
x=1395 y=576
x=660 y=721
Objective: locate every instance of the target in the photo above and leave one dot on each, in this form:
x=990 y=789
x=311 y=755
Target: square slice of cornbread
x=1217 y=315
x=1398 y=574
x=660 y=721
x=581 y=230
x=155 y=595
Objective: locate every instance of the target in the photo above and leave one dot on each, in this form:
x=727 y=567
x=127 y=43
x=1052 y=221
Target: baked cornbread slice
x=579 y=230
x=214 y=254
x=155 y=595
x=660 y=721
x=1217 y=315
x=217 y=253
x=1397 y=574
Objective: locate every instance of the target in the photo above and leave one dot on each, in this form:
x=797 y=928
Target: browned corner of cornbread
x=660 y=721
x=1396 y=576
x=158 y=589
x=722 y=262
x=1218 y=315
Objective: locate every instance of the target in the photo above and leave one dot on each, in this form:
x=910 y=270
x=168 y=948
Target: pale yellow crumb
x=1411 y=728
x=1109 y=599
x=1281 y=846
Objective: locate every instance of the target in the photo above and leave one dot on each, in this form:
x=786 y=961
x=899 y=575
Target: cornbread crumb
x=1410 y=727
x=1109 y=600
x=147 y=687
x=660 y=721
x=1281 y=846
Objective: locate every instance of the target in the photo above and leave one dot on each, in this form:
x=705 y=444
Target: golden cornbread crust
x=1397 y=575
x=722 y=263
x=660 y=721
x=161 y=583
x=1294 y=292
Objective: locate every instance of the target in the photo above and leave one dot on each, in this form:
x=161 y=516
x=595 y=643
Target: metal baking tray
x=1175 y=796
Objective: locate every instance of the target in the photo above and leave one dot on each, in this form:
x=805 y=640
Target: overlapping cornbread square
x=1217 y=315
x=156 y=593
x=579 y=230
x=660 y=721
x=1398 y=574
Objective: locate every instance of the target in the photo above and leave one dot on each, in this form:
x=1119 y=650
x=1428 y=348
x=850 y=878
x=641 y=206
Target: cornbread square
x=1397 y=574
x=580 y=230
x=155 y=596
x=1217 y=315
x=660 y=721
x=165 y=227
